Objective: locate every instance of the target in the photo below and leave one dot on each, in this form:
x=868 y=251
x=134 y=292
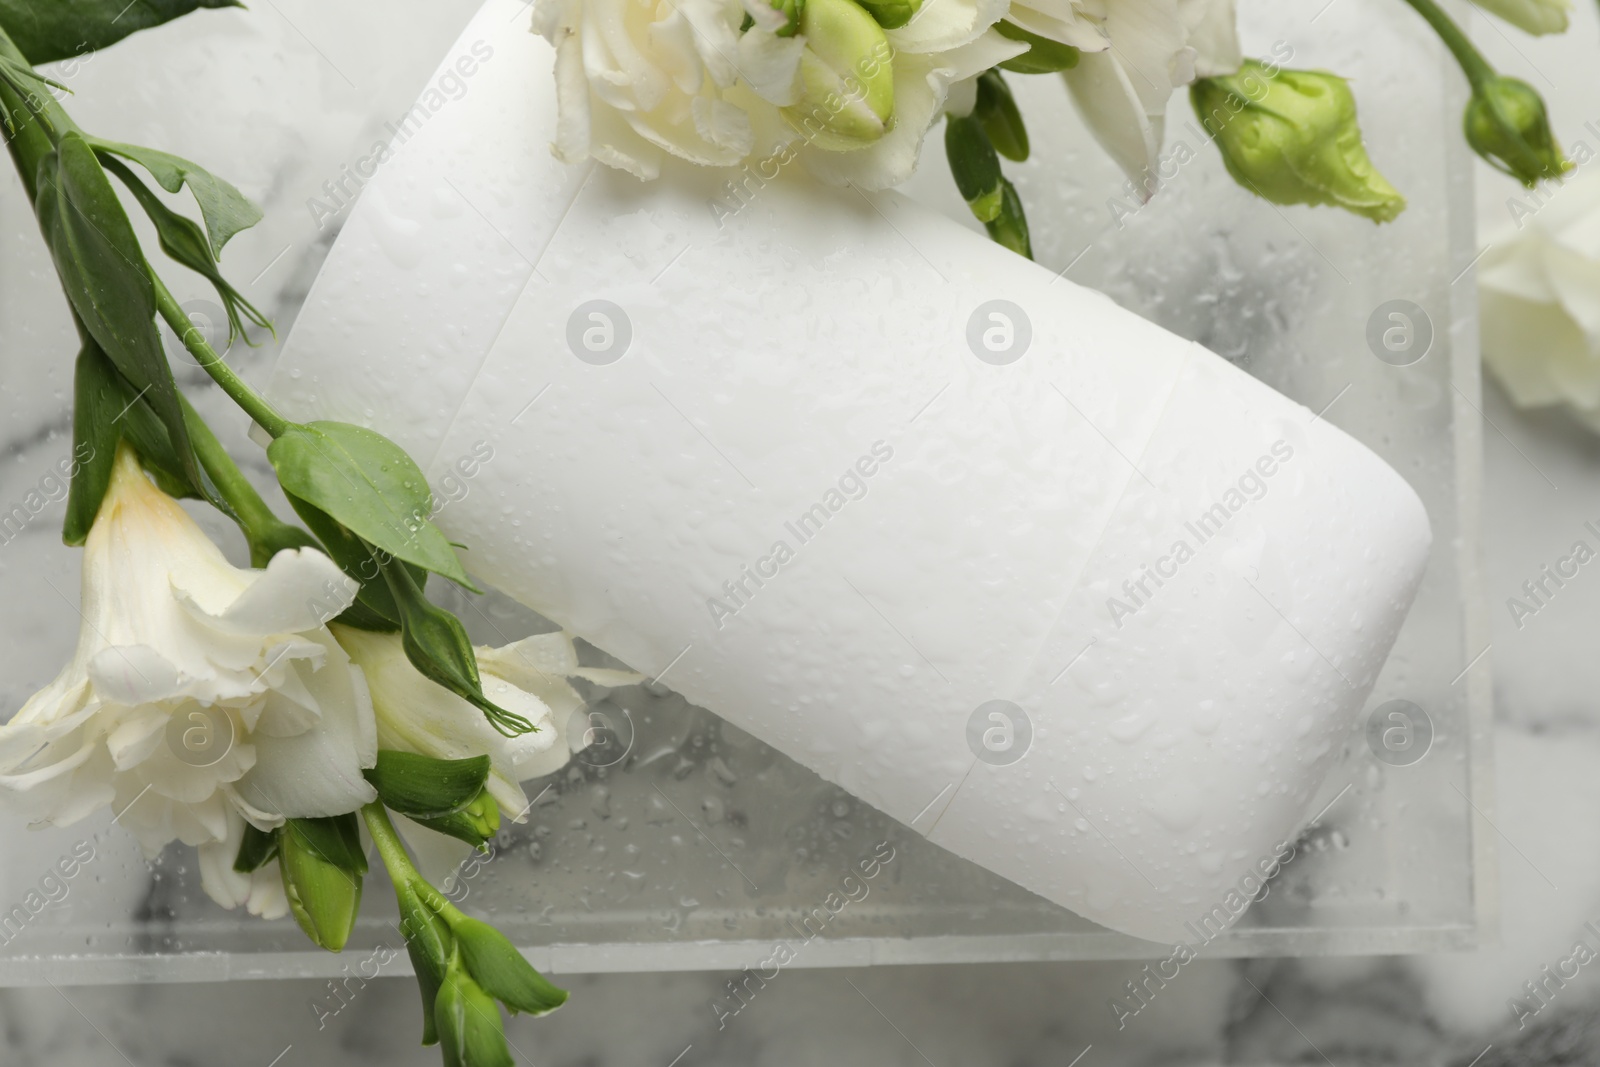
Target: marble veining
x=296 y=128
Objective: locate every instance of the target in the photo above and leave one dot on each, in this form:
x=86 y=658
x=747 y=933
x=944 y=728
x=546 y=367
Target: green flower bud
x=322 y=868
x=429 y=945
x=997 y=109
x=474 y=824
x=891 y=14
x=846 y=76
x=437 y=645
x=497 y=966
x=471 y=1033
x=975 y=166
x=1507 y=125
x=1291 y=137
x=1010 y=226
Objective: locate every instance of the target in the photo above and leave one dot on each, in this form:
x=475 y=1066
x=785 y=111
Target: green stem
x=1476 y=68
x=440 y=904
x=266 y=533
x=254 y=405
x=402 y=872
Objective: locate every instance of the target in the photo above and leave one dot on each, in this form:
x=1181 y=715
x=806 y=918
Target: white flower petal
x=221 y=882
x=1065 y=23
x=770 y=64
x=134 y=674
x=300 y=589
x=565 y=744
x=139 y=733
x=318 y=772
x=941 y=25
x=1539 y=296
x=267 y=900
x=1213 y=34
x=1115 y=114
x=540 y=656
x=962 y=97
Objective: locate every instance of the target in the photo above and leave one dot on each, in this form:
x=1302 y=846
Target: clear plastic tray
x=693 y=846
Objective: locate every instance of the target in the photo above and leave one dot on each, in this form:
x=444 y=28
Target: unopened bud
x=321 y=878
x=997 y=109
x=1507 y=125
x=974 y=165
x=474 y=824
x=846 y=77
x=891 y=14
x=1291 y=137
x=471 y=1033
x=502 y=971
x=1010 y=226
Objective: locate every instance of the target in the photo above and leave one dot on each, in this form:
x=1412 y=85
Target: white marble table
x=1342 y=1011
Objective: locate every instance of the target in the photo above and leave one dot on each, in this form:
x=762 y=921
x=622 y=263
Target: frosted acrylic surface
x=627 y=857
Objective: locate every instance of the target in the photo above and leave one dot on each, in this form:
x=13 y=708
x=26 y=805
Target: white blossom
x=1539 y=292
x=201 y=695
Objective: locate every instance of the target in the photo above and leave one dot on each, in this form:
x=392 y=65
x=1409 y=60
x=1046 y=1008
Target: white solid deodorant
x=1069 y=595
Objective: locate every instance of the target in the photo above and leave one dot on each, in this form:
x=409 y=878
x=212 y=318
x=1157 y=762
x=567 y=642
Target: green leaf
x=97 y=400
x=422 y=786
x=48 y=30
x=367 y=484
x=105 y=411
x=436 y=644
x=257 y=849
x=225 y=209
x=107 y=281
x=471 y=1033
x=184 y=242
x=1043 y=56
x=1002 y=119
x=374 y=608
x=502 y=971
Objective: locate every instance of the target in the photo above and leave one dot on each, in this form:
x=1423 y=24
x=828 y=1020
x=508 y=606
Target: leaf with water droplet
x=345 y=471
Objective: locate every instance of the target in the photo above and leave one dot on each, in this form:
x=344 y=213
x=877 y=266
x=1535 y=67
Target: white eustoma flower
x=528 y=678
x=713 y=82
x=1539 y=294
x=200 y=695
x=1135 y=53
x=639 y=78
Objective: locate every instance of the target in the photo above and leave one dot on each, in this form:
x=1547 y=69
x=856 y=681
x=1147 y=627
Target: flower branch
x=257 y=724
